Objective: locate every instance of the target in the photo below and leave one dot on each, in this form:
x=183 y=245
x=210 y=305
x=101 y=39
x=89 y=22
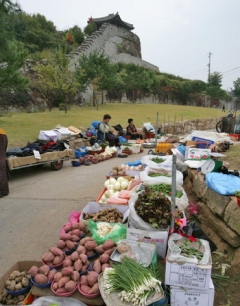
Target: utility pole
x=209 y=65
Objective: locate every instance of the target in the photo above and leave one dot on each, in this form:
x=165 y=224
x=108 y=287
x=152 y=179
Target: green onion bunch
x=134 y=282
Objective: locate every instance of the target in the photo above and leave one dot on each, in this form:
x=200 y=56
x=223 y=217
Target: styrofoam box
x=157 y=237
x=188 y=275
x=184 y=296
x=93 y=207
x=197 y=154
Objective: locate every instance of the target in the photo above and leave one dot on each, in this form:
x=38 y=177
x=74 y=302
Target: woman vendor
x=4 y=189
x=132 y=131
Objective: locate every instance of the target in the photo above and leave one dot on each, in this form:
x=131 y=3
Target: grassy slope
x=24 y=127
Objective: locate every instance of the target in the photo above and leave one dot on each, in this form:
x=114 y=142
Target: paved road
x=39 y=204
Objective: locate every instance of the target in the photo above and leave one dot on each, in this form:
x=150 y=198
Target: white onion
x=112 y=180
x=117 y=186
x=124 y=184
x=106 y=183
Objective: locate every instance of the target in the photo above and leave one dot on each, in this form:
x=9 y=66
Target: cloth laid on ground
x=214 y=136
x=15 y=162
x=224 y=184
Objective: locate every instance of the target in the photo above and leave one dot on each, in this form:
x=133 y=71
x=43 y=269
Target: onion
x=106 y=183
x=120 y=179
x=110 y=187
x=112 y=180
x=124 y=184
x=117 y=186
x=108 y=193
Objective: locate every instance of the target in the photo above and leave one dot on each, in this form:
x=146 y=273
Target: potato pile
x=53 y=257
x=69 y=239
x=110 y=215
x=42 y=275
x=15 y=282
x=118 y=170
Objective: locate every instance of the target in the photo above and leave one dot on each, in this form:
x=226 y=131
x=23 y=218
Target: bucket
x=211 y=165
x=149 y=135
x=202 y=144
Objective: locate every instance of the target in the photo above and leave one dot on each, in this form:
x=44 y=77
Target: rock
x=236 y=258
x=232 y=215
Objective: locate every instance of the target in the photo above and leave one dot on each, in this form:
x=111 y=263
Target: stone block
x=236 y=258
x=232 y=215
x=191 y=173
x=199 y=186
x=216 y=202
x=218 y=225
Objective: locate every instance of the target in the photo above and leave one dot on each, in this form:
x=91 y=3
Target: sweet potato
x=108 y=244
x=67 y=228
x=83 y=280
x=104 y=266
x=92 y=277
x=56 y=251
x=81 y=249
x=74 y=256
x=85 y=289
x=57 y=260
x=48 y=257
x=61 y=244
x=104 y=258
x=62 y=281
x=99 y=249
x=81 y=226
x=70 y=286
x=75 y=225
x=75 y=276
x=94 y=289
x=51 y=274
x=85 y=239
x=77 y=265
x=84 y=268
x=90 y=245
x=75 y=238
x=76 y=232
x=70 y=244
x=66 y=236
x=67 y=262
x=61 y=290
x=40 y=278
x=33 y=270
x=90 y=253
x=97 y=266
x=44 y=269
x=57 y=276
x=109 y=251
x=83 y=258
x=55 y=286
x=67 y=271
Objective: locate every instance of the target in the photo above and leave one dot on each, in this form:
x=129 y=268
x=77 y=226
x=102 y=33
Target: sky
x=181 y=37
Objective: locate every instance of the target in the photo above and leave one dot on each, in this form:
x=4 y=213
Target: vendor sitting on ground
x=132 y=131
x=106 y=133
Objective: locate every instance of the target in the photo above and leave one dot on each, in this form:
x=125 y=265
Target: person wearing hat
x=132 y=131
x=4 y=189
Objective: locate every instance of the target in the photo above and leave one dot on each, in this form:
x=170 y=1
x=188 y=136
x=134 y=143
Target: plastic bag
x=74 y=217
x=224 y=184
x=174 y=252
x=118 y=234
x=58 y=301
x=145 y=178
x=148 y=161
x=148 y=126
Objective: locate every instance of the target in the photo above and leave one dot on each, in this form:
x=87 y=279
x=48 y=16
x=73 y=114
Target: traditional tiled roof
x=112 y=19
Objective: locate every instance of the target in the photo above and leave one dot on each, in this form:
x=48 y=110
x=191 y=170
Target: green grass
x=22 y=128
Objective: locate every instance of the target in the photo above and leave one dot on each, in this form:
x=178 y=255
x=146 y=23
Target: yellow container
x=164 y=147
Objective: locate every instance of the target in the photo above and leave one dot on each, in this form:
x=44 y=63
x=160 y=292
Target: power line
x=230 y=70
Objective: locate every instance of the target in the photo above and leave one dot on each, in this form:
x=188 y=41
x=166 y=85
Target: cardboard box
x=188 y=275
x=197 y=154
x=20 y=266
x=157 y=237
x=183 y=296
x=93 y=207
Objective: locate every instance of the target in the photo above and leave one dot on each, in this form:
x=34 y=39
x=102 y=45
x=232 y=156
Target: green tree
x=12 y=54
x=215 y=79
x=95 y=71
x=236 y=88
x=90 y=28
x=78 y=35
x=54 y=79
